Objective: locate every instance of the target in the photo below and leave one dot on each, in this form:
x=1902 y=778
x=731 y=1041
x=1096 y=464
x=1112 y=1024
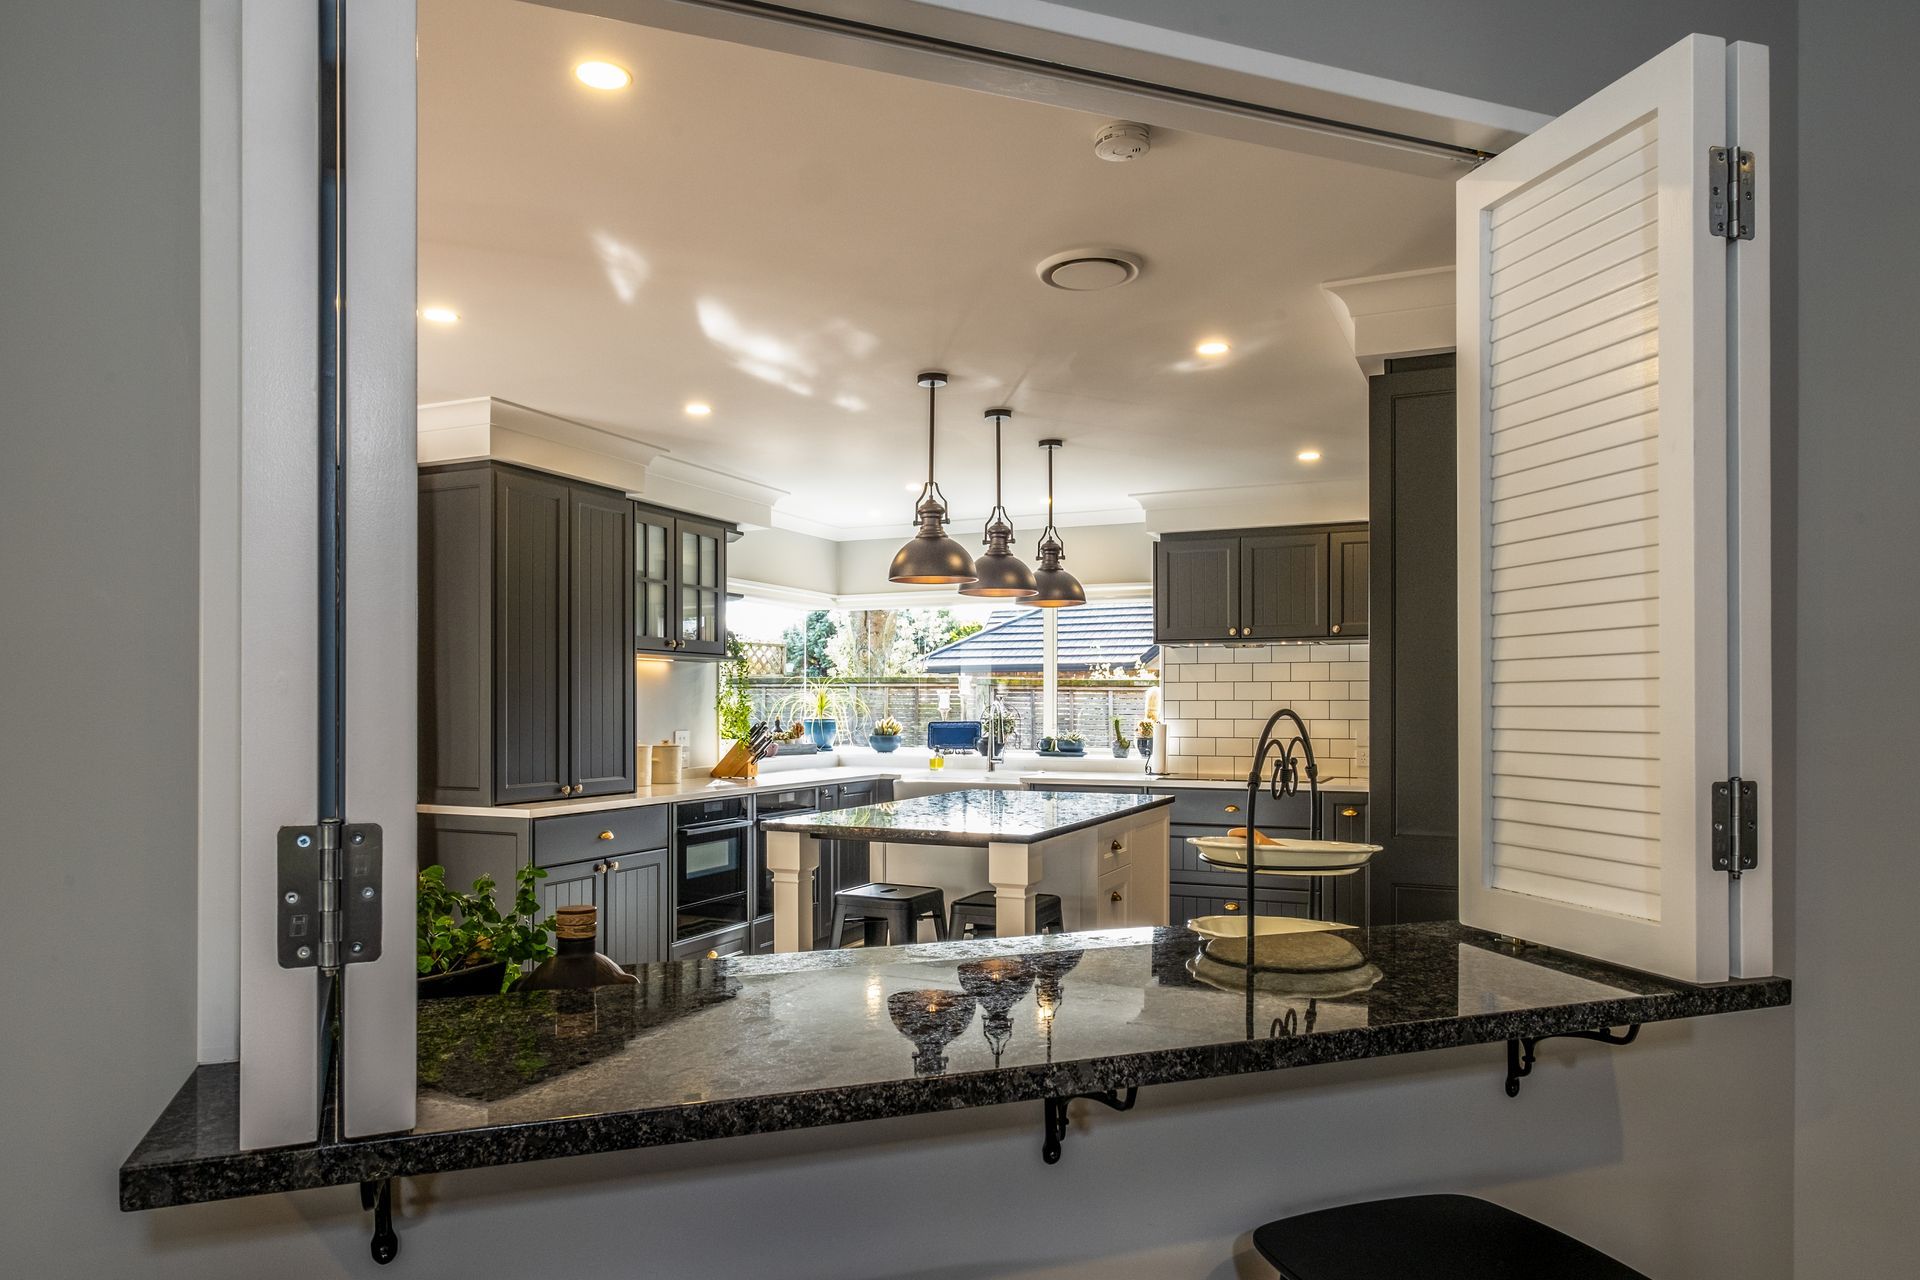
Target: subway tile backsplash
x=1215 y=699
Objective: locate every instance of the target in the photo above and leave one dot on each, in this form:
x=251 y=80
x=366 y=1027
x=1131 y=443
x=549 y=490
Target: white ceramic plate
x=1235 y=926
x=1295 y=856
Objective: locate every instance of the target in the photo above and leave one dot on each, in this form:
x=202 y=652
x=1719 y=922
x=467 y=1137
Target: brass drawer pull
x=1117 y=846
x=1233 y=808
x=608 y=835
x=1231 y=906
x=1349 y=812
x=1115 y=897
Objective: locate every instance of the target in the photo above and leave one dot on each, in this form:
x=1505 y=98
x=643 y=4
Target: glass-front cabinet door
x=703 y=588
x=655 y=609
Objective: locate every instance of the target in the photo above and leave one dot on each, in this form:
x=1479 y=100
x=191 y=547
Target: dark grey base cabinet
x=526 y=648
x=1251 y=585
x=631 y=891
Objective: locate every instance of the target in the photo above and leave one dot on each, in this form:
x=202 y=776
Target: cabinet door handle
x=1349 y=812
x=1336 y=628
x=608 y=835
x=1115 y=897
x=1230 y=906
x=613 y=866
x=1233 y=808
x=713 y=955
x=599 y=868
x=1233 y=631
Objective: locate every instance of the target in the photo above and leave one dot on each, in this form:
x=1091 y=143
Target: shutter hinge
x=329 y=895
x=1736 y=825
x=1730 y=193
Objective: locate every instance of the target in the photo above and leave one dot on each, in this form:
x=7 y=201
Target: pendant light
x=1001 y=574
x=931 y=557
x=1058 y=588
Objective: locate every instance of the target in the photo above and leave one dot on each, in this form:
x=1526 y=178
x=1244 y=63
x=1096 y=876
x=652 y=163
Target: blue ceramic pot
x=883 y=741
x=820 y=732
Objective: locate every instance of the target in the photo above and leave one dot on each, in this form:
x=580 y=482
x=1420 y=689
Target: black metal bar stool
x=892 y=908
x=980 y=912
x=1429 y=1238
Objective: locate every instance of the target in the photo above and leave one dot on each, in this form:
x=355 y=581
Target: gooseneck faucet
x=1281 y=779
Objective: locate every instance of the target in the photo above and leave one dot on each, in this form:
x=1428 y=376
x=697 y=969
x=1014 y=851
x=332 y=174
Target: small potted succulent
x=885 y=735
x=465 y=947
x=1073 y=744
x=1143 y=738
x=821 y=726
x=1120 y=744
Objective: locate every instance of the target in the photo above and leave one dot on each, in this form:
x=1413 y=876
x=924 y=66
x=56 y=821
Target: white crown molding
x=775 y=593
x=721 y=495
x=1254 y=506
x=1406 y=313
x=486 y=427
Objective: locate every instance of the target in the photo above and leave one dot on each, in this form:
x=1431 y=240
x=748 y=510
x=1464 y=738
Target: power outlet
x=682 y=737
x=1363 y=757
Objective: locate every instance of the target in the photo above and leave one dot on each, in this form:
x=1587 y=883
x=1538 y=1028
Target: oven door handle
x=709 y=828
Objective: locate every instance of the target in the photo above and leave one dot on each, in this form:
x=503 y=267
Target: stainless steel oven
x=712 y=856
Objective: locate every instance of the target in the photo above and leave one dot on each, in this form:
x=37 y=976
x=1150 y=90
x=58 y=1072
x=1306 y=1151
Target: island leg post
x=792 y=858
x=1013 y=870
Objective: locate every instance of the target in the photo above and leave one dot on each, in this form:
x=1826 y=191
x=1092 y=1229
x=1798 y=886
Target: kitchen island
x=1102 y=853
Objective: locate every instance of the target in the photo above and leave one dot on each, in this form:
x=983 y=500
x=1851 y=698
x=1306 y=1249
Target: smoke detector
x=1085 y=270
x=1121 y=140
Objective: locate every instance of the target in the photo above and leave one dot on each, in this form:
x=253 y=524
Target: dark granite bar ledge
x=974 y=816
x=713 y=1049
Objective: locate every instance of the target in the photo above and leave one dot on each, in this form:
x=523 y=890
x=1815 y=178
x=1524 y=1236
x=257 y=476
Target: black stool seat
x=1429 y=1238
x=981 y=913
x=892 y=908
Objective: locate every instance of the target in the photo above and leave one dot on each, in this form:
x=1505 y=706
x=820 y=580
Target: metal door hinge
x=1736 y=825
x=329 y=895
x=1730 y=193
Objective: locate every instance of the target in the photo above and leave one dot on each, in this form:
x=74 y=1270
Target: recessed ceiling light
x=698 y=408
x=1212 y=347
x=1308 y=455
x=440 y=315
x=603 y=75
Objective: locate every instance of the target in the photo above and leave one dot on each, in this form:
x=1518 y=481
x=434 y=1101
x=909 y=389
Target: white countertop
x=966 y=771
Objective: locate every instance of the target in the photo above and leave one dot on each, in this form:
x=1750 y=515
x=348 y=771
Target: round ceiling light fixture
x=604 y=76
x=1121 y=140
x=1088 y=270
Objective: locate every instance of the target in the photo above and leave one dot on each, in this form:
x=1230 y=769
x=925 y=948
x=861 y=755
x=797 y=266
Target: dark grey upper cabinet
x=599 y=655
x=679 y=584
x=1348 y=573
x=1196 y=589
x=1283 y=585
x=1414 y=781
x=526 y=670
x=1305 y=583
x=531 y=702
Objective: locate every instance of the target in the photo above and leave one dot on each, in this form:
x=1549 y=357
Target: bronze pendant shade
x=999 y=573
x=1058 y=589
x=932 y=557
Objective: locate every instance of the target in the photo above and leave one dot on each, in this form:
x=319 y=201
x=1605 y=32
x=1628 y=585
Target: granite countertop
x=717 y=1048
x=972 y=816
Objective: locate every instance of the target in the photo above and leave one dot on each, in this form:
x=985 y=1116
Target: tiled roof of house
x=1115 y=633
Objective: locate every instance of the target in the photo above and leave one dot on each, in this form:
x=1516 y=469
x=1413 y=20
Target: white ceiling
x=793 y=240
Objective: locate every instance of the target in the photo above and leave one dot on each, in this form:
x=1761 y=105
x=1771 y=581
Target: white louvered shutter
x=1599 y=421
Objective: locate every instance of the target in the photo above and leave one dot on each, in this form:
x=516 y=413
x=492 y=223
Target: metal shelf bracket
x=377 y=1197
x=1520 y=1050
x=1055 y=1119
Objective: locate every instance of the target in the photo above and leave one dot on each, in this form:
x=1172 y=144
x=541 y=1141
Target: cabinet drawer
x=1113 y=907
x=1116 y=851
x=1224 y=807
x=586 y=835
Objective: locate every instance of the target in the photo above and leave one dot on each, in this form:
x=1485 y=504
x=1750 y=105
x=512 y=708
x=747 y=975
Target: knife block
x=737 y=763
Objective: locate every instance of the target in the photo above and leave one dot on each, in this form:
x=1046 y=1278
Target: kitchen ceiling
x=791 y=241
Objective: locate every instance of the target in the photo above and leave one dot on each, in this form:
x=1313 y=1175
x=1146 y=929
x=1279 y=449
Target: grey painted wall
x=1646 y=1152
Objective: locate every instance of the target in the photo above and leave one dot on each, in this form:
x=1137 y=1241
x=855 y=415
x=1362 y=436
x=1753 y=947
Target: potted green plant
x=1073 y=744
x=821 y=725
x=1143 y=738
x=735 y=704
x=885 y=735
x=1120 y=744
x=465 y=946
